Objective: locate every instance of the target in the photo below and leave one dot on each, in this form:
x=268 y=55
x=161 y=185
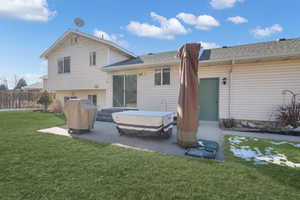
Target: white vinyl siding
x=97 y=95
x=256 y=88
x=82 y=76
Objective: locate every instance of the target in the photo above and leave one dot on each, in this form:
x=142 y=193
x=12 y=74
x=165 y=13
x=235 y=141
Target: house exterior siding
x=83 y=94
x=83 y=79
x=257 y=88
x=253 y=93
x=253 y=90
x=82 y=75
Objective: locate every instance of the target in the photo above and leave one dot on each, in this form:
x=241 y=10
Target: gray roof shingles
x=256 y=50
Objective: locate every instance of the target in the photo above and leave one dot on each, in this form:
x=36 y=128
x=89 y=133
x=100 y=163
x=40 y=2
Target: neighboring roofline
x=109 y=43
x=44 y=77
x=205 y=62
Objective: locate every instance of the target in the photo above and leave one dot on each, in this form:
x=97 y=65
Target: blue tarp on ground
x=206 y=149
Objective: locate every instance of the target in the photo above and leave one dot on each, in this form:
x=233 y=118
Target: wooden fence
x=19 y=99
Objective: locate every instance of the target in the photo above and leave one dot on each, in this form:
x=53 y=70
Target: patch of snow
x=283 y=142
x=244 y=152
x=279 y=159
x=236 y=139
x=258 y=157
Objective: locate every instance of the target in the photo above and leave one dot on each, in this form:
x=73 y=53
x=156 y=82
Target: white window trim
x=63 y=65
x=161 y=76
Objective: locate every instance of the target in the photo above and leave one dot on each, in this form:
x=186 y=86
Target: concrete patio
x=106 y=132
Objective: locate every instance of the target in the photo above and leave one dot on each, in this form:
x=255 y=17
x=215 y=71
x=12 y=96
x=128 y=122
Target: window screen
x=157 y=77
x=166 y=76
x=92 y=58
x=125 y=90
x=130 y=90
x=64 y=65
x=60 y=65
x=118 y=90
x=67 y=63
x=162 y=76
x=93 y=99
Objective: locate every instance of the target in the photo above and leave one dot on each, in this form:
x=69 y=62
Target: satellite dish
x=78 y=22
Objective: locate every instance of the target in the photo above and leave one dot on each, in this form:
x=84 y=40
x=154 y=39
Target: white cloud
x=167 y=30
x=30 y=10
x=209 y=45
x=222 y=4
x=237 y=20
x=201 y=22
x=267 y=31
x=116 y=38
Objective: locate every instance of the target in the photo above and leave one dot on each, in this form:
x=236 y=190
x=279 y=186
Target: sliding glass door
x=125 y=90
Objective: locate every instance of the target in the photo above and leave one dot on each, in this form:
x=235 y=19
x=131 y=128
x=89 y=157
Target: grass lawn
x=42 y=166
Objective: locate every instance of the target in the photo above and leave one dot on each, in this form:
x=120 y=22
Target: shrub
x=45 y=100
x=55 y=107
x=228 y=123
x=289 y=114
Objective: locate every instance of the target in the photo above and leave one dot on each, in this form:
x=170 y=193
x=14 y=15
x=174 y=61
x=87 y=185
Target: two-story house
x=244 y=82
x=75 y=61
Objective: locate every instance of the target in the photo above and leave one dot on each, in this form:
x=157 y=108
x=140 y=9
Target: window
x=93 y=99
x=125 y=90
x=162 y=76
x=166 y=76
x=93 y=58
x=74 y=40
x=64 y=65
x=157 y=77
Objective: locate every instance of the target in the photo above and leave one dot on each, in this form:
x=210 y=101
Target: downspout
x=229 y=87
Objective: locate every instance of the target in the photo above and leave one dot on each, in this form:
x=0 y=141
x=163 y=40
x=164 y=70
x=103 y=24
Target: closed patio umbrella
x=187 y=108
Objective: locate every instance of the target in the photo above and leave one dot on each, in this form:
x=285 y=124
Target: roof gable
x=94 y=38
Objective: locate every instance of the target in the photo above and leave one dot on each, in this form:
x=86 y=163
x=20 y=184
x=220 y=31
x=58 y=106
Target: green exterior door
x=208 y=99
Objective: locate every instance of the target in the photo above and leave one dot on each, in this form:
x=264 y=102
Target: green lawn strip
x=42 y=166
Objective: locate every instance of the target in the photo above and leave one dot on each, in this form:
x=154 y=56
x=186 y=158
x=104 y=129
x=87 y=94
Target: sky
x=28 y=27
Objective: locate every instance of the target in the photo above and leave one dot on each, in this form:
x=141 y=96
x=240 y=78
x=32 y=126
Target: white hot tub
x=144 y=123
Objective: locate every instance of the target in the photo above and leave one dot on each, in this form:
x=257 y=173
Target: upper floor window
x=93 y=58
x=162 y=76
x=73 y=40
x=64 y=65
